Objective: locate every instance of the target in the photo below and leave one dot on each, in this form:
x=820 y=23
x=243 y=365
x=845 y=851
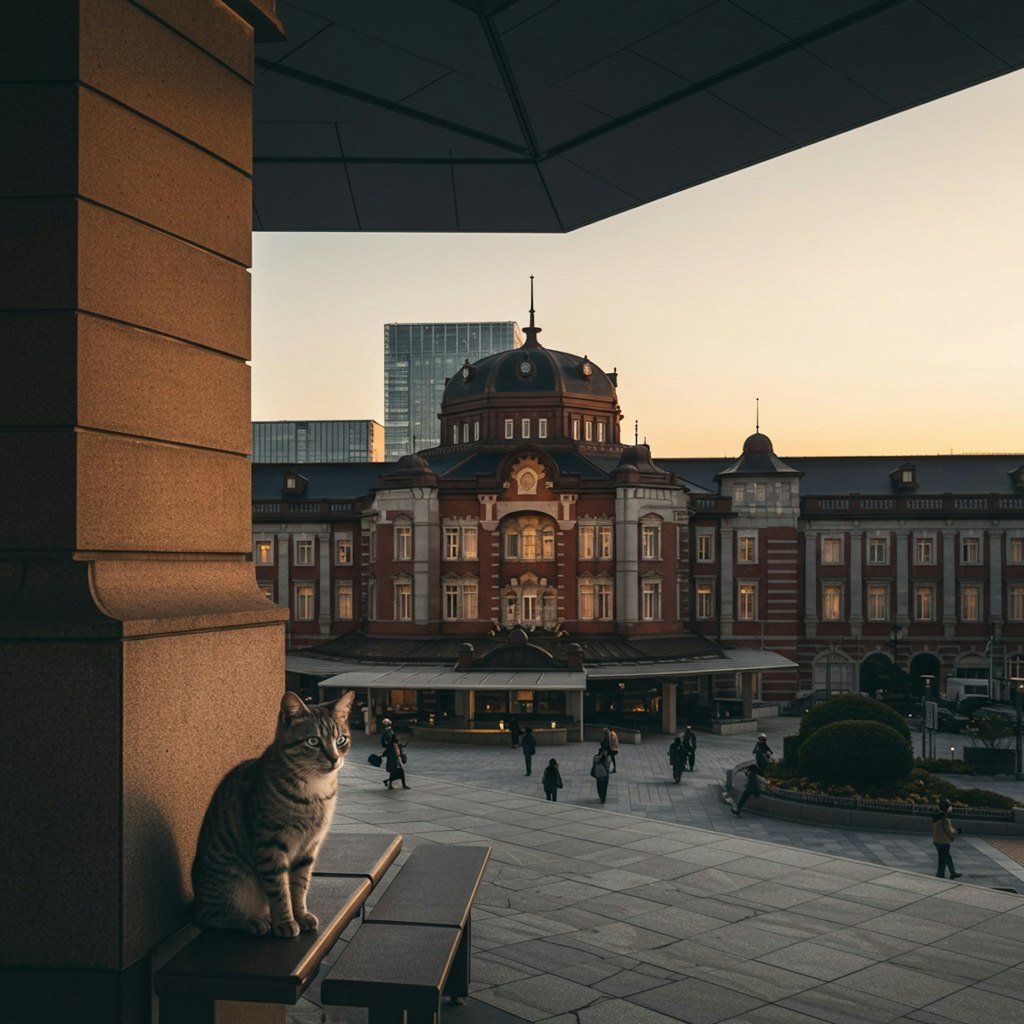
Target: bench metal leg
x=456 y=987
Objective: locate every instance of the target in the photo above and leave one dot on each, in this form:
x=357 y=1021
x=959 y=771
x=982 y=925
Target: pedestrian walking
x=551 y=780
x=752 y=788
x=677 y=758
x=514 y=730
x=611 y=742
x=943 y=834
x=600 y=769
x=394 y=760
x=763 y=754
x=529 y=748
x=690 y=746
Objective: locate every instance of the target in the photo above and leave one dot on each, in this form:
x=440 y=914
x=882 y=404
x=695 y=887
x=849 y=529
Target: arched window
x=528 y=538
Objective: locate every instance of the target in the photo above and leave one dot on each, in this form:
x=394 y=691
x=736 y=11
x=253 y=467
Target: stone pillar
x=668 y=708
x=138 y=658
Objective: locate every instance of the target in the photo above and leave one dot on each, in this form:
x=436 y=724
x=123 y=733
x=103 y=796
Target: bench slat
x=362 y=854
x=435 y=886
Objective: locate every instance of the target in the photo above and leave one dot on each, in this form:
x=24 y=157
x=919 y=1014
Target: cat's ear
x=292 y=706
x=342 y=707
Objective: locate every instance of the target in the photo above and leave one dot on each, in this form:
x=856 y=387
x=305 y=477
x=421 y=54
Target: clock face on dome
x=586 y=369
x=525 y=367
x=466 y=373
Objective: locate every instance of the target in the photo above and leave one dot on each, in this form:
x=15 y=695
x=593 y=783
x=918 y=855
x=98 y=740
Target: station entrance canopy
x=515 y=115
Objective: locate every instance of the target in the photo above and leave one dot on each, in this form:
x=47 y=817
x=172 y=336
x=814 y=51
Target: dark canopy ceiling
x=545 y=115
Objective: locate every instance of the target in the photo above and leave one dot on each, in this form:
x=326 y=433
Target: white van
x=957 y=688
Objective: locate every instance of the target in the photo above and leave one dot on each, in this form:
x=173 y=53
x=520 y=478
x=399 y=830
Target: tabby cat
x=265 y=823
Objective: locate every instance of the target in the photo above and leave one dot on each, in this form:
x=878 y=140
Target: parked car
x=968 y=705
x=949 y=721
x=1003 y=714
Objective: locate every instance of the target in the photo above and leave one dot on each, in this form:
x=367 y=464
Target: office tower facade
x=299 y=441
x=418 y=359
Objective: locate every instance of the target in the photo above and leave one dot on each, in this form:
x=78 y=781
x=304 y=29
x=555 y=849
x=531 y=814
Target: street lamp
x=927 y=680
x=1017 y=679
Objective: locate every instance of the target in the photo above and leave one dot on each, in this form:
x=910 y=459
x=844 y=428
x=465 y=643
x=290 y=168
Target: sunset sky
x=869 y=290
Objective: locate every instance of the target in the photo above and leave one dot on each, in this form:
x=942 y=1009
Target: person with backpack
x=690 y=746
x=600 y=769
x=551 y=780
x=677 y=758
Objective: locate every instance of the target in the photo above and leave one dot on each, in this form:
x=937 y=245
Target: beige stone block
x=138 y=168
x=152 y=386
x=141 y=276
x=38 y=123
x=178 y=84
x=194 y=706
x=62 y=724
x=146 y=496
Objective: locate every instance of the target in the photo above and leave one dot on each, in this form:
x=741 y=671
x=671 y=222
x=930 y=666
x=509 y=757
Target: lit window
x=604 y=601
x=587 y=540
x=746 y=548
x=970 y=550
x=460 y=600
x=547 y=544
x=604 y=542
x=878 y=550
x=542 y=427
x=455 y=433
x=267 y=590
x=530 y=607
x=529 y=544
x=595 y=600
x=343 y=607
x=587 y=600
x=878 y=602
x=526 y=427
x=588 y=430
x=343 y=548
x=510 y=429
x=739 y=493
x=304 y=602
x=924 y=603
x=705 y=547
x=1016 y=603
x=650 y=542
x=831 y=550
x=1015 y=551
x=459 y=542
x=746 y=605
x=303 y=552
x=575 y=430
x=469 y=542
x=600 y=431
x=403 y=543
x=831 y=602
x=650 y=601
x=465 y=432
x=970 y=603
x=264 y=552
x=924 y=550
x=403 y=602
x=705 y=601
x=476 y=430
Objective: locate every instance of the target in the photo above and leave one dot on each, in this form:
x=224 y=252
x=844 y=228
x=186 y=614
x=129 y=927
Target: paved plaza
x=663 y=906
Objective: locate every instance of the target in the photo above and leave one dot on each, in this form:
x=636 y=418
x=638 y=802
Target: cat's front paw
x=308 y=922
x=286 y=930
x=258 y=925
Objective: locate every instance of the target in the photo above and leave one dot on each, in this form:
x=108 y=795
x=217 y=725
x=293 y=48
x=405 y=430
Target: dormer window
x=904 y=478
x=294 y=484
x=1017 y=478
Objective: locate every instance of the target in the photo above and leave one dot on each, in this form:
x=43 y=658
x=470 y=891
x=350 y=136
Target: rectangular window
x=600 y=431
x=526 y=428
x=465 y=433
x=760 y=494
x=746 y=548
x=705 y=546
x=739 y=494
x=831 y=602
x=575 y=430
x=403 y=543
x=878 y=602
x=878 y=550
x=604 y=542
x=970 y=603
x=403 y=602
x=650 y=542
x=304 y=552
x=650 y=601
x=460 y=600
x=343 y=606
x=705 y=601
x=588 y=540
x=831 y=550
x=510 y=429
x=459 y=542
x=970 y=550
x=587 y=601
x=924 y=550
x=267 y=590
x=746 y=602
x=343 y=548
x=455 y=433
x=512 y=545
x=604 y=601
x=305 y=599
x=529 y=545
x=451 y=542
x=531 y=607
x=924 y=602
x=476 y=430
x=1015 y=551
x=547 y=545
x=588 y=430
x=1016 y=603
x=264 y=552
x=469 y=542
x=542 y=427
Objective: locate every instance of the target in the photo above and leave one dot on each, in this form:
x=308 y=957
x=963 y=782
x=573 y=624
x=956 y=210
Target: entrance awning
x=737 y=659
x=405 y=677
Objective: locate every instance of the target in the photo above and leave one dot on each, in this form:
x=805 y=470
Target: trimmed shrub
x=852 y=707
x=791 y=749
x=865 y=755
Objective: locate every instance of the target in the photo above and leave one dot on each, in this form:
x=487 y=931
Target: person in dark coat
x=763 y=754
x=600 y=769
x=677 y=758
x=514 y=731
x=529 y=748
x=393 y=762
x=552 y=780
x=752 y=788
x=690 y=746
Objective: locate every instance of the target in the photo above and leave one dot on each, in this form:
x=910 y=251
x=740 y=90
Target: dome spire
x=532 y=331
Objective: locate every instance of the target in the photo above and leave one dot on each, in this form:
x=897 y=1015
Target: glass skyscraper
x=297 y=441
x=418 y=358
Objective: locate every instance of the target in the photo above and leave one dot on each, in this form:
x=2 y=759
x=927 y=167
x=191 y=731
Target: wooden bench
x=414 y=945
x=248 y=968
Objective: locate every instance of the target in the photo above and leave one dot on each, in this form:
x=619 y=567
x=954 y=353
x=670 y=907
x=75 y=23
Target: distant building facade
x=530 y=513
x=300 y=441
x=418 y=360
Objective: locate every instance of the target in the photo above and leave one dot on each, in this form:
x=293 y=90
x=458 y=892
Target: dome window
x=525 y=367
x=586 y=369
x=468 y=371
